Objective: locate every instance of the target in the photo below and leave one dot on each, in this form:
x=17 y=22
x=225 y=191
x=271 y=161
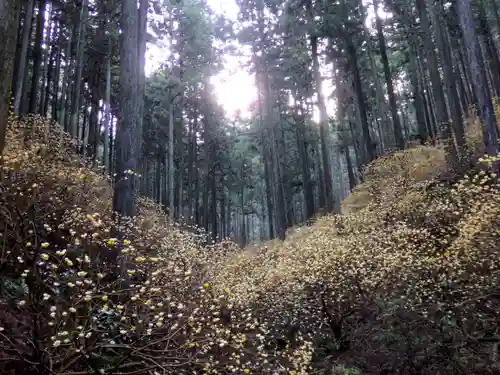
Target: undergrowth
x=407 y=282
x=65 y=308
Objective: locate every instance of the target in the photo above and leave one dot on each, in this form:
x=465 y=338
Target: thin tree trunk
x=171 y=172
x=48 y=64
x=57 y=74
x=75 y=102
x=142 y=23
x=323 y=122
x=398 y=135
x=65 y=87
x=444 y=127
x=37 y=57
x=107 y=107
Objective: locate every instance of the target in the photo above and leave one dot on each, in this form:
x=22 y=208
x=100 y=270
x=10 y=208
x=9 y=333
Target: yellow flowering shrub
x=81 y=293
x=409 y=282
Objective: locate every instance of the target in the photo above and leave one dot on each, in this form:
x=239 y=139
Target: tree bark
x=441 y=110
x=20 y=80
x=107 y=107
x=9 y=20
x=398 y=134
x=449 y=76
x=75 y=102
x=126 y=134
x=37 y=57
x=479 y=80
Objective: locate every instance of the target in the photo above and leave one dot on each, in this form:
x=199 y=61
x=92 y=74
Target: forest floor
x=406 y=281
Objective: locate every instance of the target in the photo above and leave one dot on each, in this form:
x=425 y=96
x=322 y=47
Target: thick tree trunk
x=304 y=165
x=365 y=127
x=489 y=45
x=449 y=76
x=126 y=134
x=191 y=163
x=478 y=73
x=9 y=20
x=20 y=80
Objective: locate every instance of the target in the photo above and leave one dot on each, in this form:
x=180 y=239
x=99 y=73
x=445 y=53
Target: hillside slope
x=65 y=306
x=406 y=282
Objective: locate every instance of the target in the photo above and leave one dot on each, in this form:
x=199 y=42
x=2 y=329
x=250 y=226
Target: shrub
x=389 y=175
x=408 y=284
x=78 y=298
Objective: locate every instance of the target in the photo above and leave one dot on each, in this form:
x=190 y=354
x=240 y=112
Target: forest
x=345 y=221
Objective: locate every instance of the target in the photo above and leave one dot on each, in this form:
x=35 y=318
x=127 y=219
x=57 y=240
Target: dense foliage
x=67 y=308
x=342 y=221
x=331 y=86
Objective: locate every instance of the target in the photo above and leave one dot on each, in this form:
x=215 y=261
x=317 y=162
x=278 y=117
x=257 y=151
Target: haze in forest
x=345 y=224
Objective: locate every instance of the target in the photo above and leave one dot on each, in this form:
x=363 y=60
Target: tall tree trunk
x=75 y=102
x=107 y=107
x=398 y=134
x=142 y=20
x=206 y=182
x=9 y=20
x=57 y=74
x=197 y=196
x=478 y=72
x=213 y=208
x=323 y=115
x=48 y=63
x=65 y=86
x=424 y=125
x=171 y=171
x=490 y=49
x=265 y=153
x=449 y=77
x=365 y=127
x=20 y=81
x=444 y=127
x=37 y=57
x=126 y=134
x=243 y=240
x=350 y=168
x=353 y=64
x=19 y=45
x=223 y=232
x=381 y=104
x=304 y=164
x=192 y=164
